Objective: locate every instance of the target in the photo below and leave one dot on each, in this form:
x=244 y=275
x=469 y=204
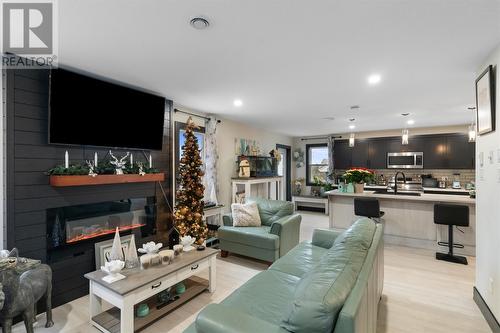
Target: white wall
x=227 y=131
x=487 y=206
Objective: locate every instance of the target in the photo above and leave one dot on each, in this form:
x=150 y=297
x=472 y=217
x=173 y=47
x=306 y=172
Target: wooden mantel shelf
x=85 y=180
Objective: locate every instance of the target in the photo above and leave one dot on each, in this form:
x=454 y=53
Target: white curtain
x=331 y=166
x=211 y=157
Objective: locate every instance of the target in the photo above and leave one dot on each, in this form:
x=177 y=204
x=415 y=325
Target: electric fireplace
x=94 y=222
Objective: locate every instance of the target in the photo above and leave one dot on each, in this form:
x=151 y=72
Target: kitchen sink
x=399 y=193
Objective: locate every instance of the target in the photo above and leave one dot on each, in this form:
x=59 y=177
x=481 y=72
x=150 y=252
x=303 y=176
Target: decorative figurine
x=91 y=166
x=141 y=168
x=24 y=291
x=131 y=259
x=113 y=269
x=244 y=169
x=150 y=248
x=116 y=251
x=187 y=243
x=119 y=163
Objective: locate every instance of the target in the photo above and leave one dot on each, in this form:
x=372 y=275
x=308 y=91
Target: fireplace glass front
x=74 y=224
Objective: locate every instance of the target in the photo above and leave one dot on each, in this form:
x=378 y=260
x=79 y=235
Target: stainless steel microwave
x=406 y=160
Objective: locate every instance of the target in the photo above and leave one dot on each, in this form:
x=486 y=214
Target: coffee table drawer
x=155 y=287
x=186 y=272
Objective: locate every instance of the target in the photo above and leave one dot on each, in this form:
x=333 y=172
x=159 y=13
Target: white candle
x=95 y=159
x=66 y=159
x=150 y=161
x=131 y=159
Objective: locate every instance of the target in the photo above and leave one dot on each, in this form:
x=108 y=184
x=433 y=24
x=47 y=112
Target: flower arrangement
x=358 y=176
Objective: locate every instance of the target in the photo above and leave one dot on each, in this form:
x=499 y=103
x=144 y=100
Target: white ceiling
x=292 y=62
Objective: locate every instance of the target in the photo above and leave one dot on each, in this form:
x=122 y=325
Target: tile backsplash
x=466 y=175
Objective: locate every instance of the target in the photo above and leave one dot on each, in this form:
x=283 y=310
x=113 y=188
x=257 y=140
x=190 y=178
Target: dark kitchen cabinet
x=377 y=153
x=434 y=149
x=360 y=157
x=342 y=154
x=441 y=151
x=460 y=153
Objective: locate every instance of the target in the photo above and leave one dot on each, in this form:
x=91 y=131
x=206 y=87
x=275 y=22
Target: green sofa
x=278 y=234
x=332 y=284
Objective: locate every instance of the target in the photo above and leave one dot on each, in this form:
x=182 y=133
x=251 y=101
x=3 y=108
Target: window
x=316 y=162
x=180 y=129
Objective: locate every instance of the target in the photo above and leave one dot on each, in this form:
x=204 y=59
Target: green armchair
x=277 y=235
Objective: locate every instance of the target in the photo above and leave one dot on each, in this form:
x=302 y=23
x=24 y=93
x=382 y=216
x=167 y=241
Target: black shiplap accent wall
x=28 y=191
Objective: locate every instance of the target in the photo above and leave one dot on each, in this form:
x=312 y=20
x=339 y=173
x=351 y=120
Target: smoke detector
x=199 y=23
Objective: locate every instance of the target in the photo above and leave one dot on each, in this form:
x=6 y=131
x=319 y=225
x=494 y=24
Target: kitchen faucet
x=396 y=181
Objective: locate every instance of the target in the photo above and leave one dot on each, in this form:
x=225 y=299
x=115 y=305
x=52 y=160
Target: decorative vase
x=341 y=187
x=349 y=188
x=180 y=288
x=359 y=188
x=142 y=310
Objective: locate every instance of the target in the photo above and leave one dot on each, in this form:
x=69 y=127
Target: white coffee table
x=142 y=286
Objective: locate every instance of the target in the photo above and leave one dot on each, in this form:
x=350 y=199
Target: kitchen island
x=408 y=219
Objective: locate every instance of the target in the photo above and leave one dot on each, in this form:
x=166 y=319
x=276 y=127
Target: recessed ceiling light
x=237 y=103
x=199 y=23
x=352 y=126
x=374 y=79
x=410 y=122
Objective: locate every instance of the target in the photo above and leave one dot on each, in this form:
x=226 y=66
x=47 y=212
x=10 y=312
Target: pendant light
x=351 y=140
x=404 y=137
x=472 y=126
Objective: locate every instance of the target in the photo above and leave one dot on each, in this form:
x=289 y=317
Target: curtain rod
x=195 y=115
x=322 y=137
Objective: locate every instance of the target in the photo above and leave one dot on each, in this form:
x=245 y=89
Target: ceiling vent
x=199 y=23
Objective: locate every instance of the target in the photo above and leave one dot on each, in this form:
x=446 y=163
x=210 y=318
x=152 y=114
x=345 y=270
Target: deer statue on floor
x=19 y=293
x=119 y=163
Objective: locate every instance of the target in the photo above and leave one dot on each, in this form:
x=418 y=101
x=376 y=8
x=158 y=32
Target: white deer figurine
x=119 y=163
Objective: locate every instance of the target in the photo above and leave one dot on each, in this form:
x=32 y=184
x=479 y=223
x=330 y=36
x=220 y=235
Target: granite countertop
x=430 y=197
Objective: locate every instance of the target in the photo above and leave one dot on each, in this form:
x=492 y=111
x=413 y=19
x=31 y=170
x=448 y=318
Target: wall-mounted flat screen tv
x=89 y=111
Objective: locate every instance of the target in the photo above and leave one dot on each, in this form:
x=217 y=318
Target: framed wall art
x=103 y=249
x=485 y=101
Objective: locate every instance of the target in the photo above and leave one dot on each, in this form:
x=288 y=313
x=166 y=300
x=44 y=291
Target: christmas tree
x=189 y=196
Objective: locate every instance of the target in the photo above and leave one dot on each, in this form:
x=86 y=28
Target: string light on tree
x=189 y=206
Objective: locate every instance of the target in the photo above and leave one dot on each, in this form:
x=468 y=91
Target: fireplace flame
x=102 y=232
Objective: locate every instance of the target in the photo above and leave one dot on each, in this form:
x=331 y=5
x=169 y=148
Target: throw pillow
x=246 y=215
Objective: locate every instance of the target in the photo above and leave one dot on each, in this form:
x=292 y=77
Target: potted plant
x=322 y=185
x=358 y=177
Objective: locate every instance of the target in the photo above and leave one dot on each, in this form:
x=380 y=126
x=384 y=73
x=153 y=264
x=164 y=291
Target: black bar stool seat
x=451 y=215
x=368 y=207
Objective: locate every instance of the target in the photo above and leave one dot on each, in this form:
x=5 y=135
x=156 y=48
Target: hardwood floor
x=420 y=294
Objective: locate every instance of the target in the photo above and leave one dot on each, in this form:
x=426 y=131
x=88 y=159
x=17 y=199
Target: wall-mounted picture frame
x=485 y=101
x=103 y=249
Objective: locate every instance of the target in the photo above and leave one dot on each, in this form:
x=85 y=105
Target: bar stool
x=368 y=207
x=451 y=215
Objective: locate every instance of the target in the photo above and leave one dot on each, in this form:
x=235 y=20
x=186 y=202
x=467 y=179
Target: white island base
x=408 y=220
